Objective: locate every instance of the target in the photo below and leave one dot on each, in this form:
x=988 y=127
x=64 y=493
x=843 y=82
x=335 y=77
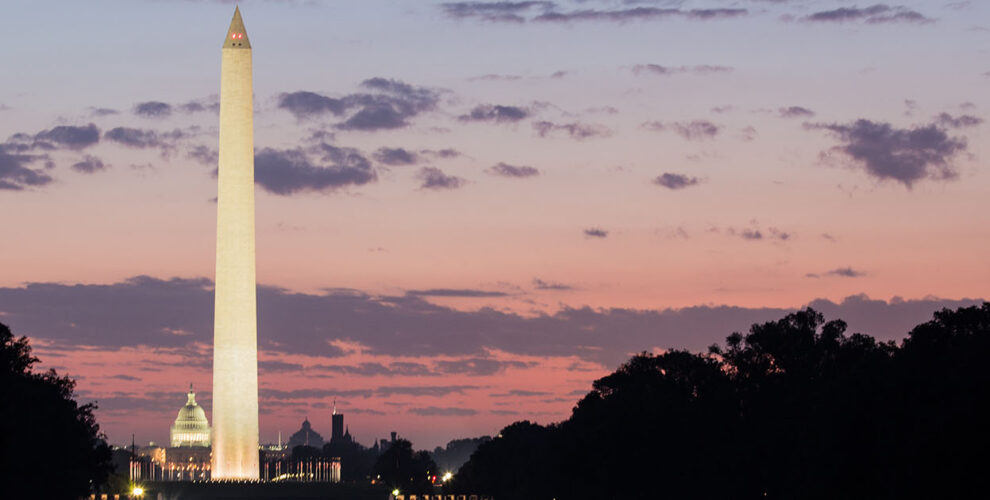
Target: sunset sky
x=469 y=211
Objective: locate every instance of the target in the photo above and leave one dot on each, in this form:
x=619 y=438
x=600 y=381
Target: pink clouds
x=139 y=390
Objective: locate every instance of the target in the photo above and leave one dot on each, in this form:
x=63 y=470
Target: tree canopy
x=409 y=471
x=50 y=446
x=795 y=408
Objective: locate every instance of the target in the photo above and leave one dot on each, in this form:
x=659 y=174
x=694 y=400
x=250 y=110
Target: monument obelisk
x=235 y=327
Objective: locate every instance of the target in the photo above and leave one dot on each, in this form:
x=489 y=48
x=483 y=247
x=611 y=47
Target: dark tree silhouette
x=671 y=411
x=456 y=453
x=943 y=383
x=356 y=461
x=812 y=407
x=795 y=408
x=400 y=467
x=50 y=446
x=520 y=462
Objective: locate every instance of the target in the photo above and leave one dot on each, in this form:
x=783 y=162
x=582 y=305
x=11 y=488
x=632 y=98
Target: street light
x=137 y=492
x=447 y=476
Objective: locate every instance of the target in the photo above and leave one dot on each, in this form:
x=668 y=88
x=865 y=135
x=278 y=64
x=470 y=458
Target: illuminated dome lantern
x=191 y=427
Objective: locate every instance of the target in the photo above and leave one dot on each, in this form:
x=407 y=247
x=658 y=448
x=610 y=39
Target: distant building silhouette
x=384 y=444
x=338 y=433
x=338 y=427
x=306 y=436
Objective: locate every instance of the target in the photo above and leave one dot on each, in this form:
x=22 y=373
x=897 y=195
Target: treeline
x=795 y=409
x=50 y=446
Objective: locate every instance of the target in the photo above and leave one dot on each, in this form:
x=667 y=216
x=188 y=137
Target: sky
x=469 y=211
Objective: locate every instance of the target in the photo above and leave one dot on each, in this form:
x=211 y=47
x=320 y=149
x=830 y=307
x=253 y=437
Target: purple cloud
x=693 y=131
x=675 y=181
x=436 y=179
x=71 y=315
x=874 y=14
x=153 y=109
x=495 y=113
x=577 y=131
x=656 y=69
x=506 y=170
x=903 y=155
x=795 y=112
x=289 y=171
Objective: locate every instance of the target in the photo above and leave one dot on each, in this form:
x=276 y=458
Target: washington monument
x=235 y=328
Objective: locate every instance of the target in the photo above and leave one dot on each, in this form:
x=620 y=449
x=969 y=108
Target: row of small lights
x=447 y=476
x=138 y=491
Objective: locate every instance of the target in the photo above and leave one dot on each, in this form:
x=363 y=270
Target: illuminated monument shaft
x=235 y=335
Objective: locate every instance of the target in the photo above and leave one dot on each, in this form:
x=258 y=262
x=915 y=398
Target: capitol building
x=188 y=455
x=187 y=458
x=191 y=429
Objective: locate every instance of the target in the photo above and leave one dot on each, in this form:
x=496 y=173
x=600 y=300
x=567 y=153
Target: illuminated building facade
x=191 y=427
x=188 y=457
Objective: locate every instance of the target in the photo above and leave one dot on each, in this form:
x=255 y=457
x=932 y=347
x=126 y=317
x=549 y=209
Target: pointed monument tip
x=237 y=37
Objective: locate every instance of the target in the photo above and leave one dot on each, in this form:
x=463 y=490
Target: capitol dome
x=306 y=437
x=191 y=427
